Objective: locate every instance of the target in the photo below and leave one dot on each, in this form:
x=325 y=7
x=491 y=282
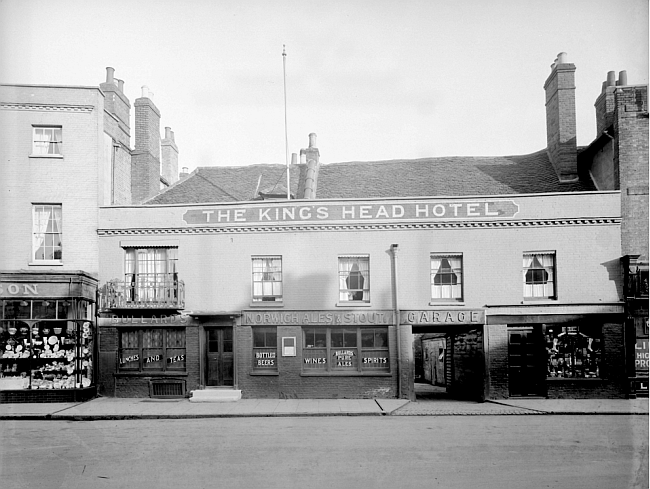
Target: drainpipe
x=396 y=315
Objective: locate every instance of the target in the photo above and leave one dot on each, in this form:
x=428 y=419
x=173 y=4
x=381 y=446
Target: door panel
x=220 y=359
x=525 y=362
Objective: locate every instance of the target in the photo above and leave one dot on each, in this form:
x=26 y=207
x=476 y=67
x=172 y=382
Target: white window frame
x=345 y=297
x=51 y=147
x=546 y=289
x=40 y=233
x=267 y=287
x=441 y=293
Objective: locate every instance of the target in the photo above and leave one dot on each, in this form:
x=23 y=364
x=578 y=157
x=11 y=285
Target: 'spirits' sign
x=409 y=211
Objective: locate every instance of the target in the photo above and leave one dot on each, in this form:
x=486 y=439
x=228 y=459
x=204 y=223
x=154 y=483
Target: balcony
x=147 y=294
x=636 y=277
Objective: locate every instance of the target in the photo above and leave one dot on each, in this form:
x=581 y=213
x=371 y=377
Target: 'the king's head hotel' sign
x=443 y=210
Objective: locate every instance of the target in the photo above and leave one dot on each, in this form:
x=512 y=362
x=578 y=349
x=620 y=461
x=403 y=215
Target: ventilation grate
x=168 y=389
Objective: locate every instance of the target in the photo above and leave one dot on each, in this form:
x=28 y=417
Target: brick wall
x=561 y=121
x=468 y=365
x=112 y=383
x=290 y=384
x=72 y=180
x=631 y=155
x=145 y=160
x=497 y=340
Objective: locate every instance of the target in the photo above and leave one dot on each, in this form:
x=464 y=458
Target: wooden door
x=525 y=362
x=219 y=349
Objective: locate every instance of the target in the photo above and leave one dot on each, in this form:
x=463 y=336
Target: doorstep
x=215 y=395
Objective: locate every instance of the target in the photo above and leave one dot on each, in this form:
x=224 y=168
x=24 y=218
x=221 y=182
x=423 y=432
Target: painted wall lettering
x=153 y=320
x=641 y=354
x=19 y=289
x=254 y=318
x=448 y=317
x=454 y=210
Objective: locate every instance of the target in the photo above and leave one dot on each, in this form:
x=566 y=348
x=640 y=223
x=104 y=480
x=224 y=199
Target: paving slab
x=582 y=406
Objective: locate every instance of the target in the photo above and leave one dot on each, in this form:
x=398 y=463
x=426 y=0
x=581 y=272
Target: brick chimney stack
x=169 y=157
x=312 y=158
x=561 y=119
x=145 y=160
x=117 y=104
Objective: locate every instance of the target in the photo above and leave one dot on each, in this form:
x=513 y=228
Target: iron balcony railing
x=636 y=283
x=147 y=294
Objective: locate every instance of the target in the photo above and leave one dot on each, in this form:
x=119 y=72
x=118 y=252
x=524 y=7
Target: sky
x=374 y=79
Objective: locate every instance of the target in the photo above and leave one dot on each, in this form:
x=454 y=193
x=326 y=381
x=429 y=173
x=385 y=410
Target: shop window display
x=45 y=344
x=573 y=351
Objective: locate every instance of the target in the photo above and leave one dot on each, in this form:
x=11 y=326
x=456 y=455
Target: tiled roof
x=228 y=184
x=424 y=177
x=444 y=176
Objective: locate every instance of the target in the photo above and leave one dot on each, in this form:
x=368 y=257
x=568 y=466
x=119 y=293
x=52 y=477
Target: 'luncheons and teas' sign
x=443 y=210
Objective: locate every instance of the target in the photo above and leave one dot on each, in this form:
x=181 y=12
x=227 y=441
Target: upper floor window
x=354 y=278
x=151 y=275
x=47 y=233
x=447 y=277
x=539 y=275
x=267 y=279
x=47 y=141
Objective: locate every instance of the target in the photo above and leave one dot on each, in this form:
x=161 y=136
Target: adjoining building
x=220 y=285
x=64 y=151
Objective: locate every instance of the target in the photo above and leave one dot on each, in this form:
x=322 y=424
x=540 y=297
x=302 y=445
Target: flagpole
x=286 y=136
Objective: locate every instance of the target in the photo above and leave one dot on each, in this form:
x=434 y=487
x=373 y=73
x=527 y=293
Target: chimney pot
x=168 y=133
x=120 y=85
x=145 y=91
x=110 y=72
x=622 y=78
x=294 y=158
x=184 y=169
x=562 y=58
x=312 y=140
x=611 y=78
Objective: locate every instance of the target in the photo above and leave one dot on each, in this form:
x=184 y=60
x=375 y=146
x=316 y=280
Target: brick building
x=220 y=285
x=64 y=151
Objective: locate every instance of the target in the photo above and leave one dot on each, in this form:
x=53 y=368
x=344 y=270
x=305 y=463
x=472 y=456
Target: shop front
x=148 y=354
x=556 y=352
x=47 y=333
x=317 y=354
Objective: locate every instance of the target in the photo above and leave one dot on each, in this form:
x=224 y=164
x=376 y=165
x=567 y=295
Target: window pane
x=129 y=358
x=354 y=278
x=175 y=359
x=259 y=338
x=368 y=338
x=315 y=359
x=153 y=359
x=539 y=274
x=345 y=359
x=573 y=351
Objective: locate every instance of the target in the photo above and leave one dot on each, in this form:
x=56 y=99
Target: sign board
x=406 y=211
x=641 y=355
x=443 y=317
x=289 y=347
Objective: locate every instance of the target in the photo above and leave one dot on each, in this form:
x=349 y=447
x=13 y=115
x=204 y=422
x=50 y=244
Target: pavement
x=109 y=408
